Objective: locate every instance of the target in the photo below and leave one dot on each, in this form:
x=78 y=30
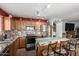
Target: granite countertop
x=3 y=46
x=46 y=41
x=7 y=42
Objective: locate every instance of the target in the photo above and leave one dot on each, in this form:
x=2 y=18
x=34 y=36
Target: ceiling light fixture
x=48 y=6
x=38 y=12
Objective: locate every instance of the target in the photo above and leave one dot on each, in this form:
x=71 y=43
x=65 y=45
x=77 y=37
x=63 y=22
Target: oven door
x=30 y=43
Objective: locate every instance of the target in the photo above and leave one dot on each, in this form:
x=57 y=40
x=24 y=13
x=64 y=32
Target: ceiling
x=67 y=11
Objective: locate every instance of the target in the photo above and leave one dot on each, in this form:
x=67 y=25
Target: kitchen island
x=42 y=43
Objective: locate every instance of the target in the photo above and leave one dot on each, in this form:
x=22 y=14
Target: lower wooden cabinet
x=21 y=42
x=13 y=48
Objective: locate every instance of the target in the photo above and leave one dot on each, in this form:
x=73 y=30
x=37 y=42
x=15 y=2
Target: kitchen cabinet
x=21 y=42
x=44 y=30
x=18 y=43
x=13 y=48
x=7 y=23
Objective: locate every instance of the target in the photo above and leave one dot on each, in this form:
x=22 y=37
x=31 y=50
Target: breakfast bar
x=42 y=43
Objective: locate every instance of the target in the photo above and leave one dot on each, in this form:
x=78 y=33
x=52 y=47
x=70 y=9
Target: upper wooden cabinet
x=7 y=23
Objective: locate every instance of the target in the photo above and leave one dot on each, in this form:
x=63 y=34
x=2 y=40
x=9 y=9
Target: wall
x=3 y=13
x=51 y=23
x=59 y=27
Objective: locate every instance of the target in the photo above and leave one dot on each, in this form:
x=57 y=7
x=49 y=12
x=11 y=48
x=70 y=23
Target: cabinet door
x=21 y=42
x=18 y=42
x=13 y=48
x=7 y=23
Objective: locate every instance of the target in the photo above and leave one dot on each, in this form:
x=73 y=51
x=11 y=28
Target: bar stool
x=77 y=42
x=48 y=50
x=61 y=50
x=72 y=47
x=41 y=50
x=51 y=48
x=44 y=50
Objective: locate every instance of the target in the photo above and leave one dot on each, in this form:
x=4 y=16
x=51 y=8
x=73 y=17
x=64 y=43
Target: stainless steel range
x=30 y=42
